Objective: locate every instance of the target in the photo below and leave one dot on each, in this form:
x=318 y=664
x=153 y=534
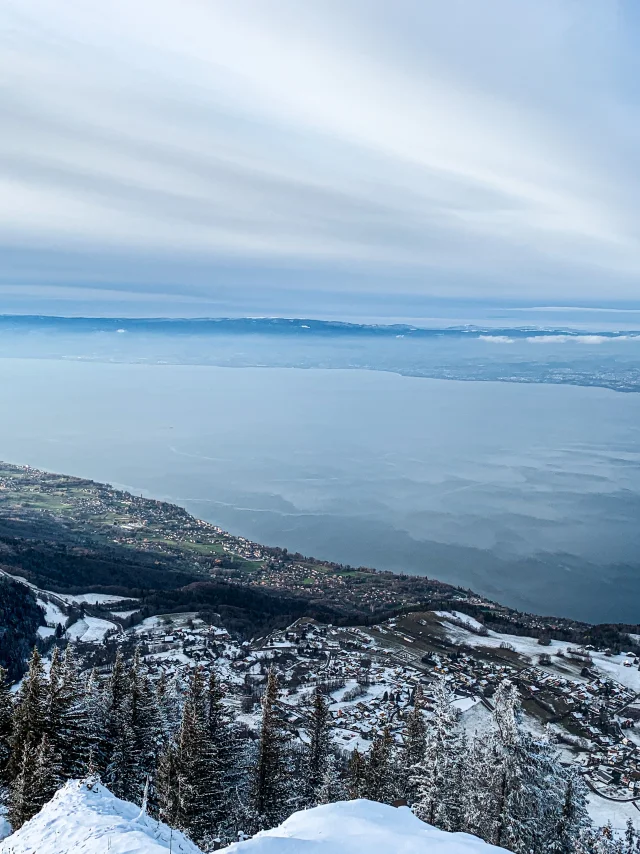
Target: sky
x=206 y=157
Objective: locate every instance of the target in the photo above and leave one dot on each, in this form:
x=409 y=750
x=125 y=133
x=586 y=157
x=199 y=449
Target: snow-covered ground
x=93 y=598
x=358 y=827
x=93 y=821
x=89 y=630
x=612 y=667
x=52 y=613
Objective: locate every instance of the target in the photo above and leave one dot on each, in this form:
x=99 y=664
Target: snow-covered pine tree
x=146 y=726
x=67 y=716
x=438 y=801
x=413 y=746
x=48 y=773
x=574 y=819
x=169 y=690
x=6 y=726
x=22 y=803
x=318 y=750
x=356 y=776
x=96 y=721
x=524 y=781
x=223 y=738
x=475 y=793
x=167 y=785
x=332 y=786
x=271 y=793
x=121 y=771
x=194 y=768
x=29 y=717
x=380 y=771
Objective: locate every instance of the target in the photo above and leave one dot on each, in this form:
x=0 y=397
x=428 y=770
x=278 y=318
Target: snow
x=124 y=614
x=45 y=631
x=93 y=598
x=357 y=827
x=90 y=630
x=52 y=613
x=603 y=810
x=93 y=821
x=464 y=618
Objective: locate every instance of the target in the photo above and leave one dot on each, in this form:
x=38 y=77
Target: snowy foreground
x=92 y=821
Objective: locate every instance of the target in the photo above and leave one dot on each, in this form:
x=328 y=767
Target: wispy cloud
x=459 y=148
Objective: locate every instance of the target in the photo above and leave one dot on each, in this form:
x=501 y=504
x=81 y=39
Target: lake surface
x=526 y=493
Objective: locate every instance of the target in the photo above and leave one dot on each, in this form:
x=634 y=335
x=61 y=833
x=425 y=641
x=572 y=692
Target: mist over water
x=526 y=493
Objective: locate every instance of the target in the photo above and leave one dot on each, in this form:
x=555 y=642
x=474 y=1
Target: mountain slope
x=89 y=819
x=359 y=827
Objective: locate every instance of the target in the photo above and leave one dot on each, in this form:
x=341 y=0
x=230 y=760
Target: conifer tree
x=6 y=728
x=271 y=796
x=437 y=801
x=48 y=776
x=30 y=716
x=146 y=726
x=356 y=776
x=187 y=783
x=574 y=818
x=379 y=775
x=120 y=768
x=67 y=715
x=414 y=743
x=332 y=786
x=318 y=751
x=96 y=721
x=22 y=803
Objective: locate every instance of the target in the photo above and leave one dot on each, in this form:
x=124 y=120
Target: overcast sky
x=252 y=156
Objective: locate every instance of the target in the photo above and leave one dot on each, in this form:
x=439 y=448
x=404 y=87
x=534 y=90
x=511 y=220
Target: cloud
x=455 y=149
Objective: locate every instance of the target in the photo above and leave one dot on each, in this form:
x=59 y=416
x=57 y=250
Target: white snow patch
x=93 y=598
x=93 y=821
x=357 y=827
x=52 y=613
x=90 y=630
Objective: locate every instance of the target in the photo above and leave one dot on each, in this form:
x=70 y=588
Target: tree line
x=175 y=748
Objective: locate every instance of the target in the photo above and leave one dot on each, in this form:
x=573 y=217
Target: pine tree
x=437 y=800
x=67 y=716
x=319 y=747
x=22 y=803
x=523 y=777
x=414 y=743
x=270 y=791
x=121 y=771
x=356 y=776
x=379 y=775
x=48 y=776
x=332 y=787
x=96 y=722
x=574 y=818
x=146 y=727
x=6 y=728
x=187 y=782
x=30 y=716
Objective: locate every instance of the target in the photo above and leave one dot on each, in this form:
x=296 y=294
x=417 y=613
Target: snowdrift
x=88 y=819
x=93 y=821
x=359 y=827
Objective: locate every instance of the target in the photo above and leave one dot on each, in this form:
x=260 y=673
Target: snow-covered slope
x=359 y=827
x=93 y=821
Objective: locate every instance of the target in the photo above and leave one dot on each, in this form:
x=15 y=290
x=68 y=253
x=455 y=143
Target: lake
x=528 y=493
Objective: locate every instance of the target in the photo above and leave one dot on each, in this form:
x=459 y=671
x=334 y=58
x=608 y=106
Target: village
x=370 y=676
